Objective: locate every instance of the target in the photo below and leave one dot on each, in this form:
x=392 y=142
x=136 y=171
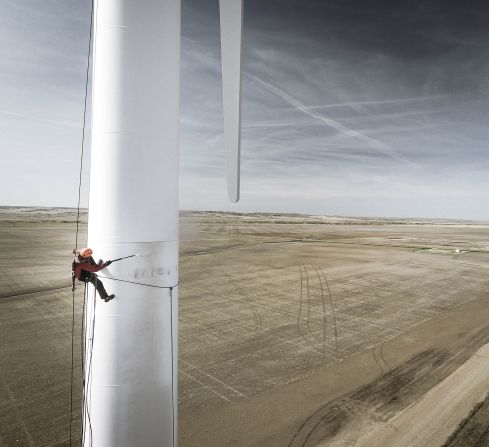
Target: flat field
x=294 y=330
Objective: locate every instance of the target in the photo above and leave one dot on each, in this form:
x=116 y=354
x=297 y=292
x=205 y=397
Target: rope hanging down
x=87 y=75
x=87 y=366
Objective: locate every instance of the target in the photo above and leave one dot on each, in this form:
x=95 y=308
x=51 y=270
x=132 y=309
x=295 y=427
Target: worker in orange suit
x=85 y=268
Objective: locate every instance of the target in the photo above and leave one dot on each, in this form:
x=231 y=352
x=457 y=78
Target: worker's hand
x=108 y=263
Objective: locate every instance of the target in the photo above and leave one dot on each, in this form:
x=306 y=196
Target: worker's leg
x=98 y=285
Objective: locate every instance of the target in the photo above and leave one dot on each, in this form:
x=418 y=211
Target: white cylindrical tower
x=131 y=353
x=131 y=374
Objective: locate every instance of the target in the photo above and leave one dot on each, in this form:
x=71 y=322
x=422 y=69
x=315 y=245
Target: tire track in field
x=333 y=310
x=306 y=288
x=306 y=298
x=323 y=303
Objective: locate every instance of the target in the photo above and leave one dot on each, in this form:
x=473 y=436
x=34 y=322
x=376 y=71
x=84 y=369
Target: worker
x=84 y=268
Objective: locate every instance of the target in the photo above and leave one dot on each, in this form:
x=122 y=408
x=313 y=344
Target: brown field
x=294 y=330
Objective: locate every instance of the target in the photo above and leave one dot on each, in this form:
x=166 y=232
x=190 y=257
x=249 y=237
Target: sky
x=377 y=108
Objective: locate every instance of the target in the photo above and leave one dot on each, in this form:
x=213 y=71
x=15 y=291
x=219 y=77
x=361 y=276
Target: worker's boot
x=110 y=297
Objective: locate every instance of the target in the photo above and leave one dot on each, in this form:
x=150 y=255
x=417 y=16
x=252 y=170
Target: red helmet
x=86 y=252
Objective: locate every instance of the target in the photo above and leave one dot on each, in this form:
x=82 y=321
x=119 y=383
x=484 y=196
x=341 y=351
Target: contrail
x=282 y=124
x=368 y=117
x=371 y=116
x=372 y=142
x=367 y=103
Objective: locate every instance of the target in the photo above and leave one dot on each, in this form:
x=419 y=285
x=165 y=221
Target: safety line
x=84 y=123
x=87 y=391
x=172 y=372
x=87 y=74
x=140 y=283
x=83 y=363
x=89 y=381
x=72 y=358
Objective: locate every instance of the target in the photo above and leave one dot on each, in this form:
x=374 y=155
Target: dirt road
x=432 y=419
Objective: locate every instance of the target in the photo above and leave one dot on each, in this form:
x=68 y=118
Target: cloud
x=347 y=107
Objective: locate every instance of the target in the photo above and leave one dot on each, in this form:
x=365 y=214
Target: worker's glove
x=108 y=263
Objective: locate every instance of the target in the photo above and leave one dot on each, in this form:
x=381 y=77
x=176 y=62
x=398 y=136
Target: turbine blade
x=231 y=35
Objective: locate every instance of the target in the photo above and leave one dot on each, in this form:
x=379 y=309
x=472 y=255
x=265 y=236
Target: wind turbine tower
x=131 y=345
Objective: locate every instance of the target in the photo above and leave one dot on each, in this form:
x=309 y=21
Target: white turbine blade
x=231 y=32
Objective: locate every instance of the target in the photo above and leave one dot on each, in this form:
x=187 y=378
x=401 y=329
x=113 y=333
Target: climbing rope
x=172 y=371
x=87 y=75
x=139 y=283
x=82 y=351
x=88 y=370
